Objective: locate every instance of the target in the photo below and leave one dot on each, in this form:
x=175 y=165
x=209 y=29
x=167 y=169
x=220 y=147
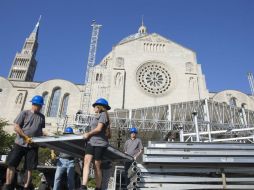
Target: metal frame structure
x=200 y=121
x=86 y=98
x=251 y=82
x=118 y=175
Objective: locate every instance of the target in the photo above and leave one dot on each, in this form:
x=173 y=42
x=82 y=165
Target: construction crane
x=251 y=81
x=86 y=97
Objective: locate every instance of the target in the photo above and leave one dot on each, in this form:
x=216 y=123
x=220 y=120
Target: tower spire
x=142 y=29
x=36 y=28
x=24 y=64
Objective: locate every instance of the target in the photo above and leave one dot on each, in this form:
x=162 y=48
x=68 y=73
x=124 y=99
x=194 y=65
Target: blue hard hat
x=133 y=130
x=68 y=130
x=102 y=102
x=38 y=100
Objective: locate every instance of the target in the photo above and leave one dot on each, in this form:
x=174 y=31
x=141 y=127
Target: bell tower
x=24 y=64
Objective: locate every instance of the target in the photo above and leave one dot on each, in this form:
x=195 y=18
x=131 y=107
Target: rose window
x=154 y=78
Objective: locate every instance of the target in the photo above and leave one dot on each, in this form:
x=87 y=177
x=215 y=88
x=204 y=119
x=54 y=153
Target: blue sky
x=221 y=32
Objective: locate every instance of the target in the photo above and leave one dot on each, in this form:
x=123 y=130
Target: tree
x=6 y=140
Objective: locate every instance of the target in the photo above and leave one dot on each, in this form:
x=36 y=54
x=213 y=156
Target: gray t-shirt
x=31 y=124
x=132 y=147
x=99 y=139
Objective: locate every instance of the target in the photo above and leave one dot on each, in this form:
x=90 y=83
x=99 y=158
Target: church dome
x=132 y=37
x=142 y=31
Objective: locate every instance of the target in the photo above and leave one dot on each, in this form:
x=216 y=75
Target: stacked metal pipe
x=194 y=166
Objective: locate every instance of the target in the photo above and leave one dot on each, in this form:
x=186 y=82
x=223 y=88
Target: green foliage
x=44 y=159
x=91 y=183
x=36 y=179
x=44 y=156
x=6 y=140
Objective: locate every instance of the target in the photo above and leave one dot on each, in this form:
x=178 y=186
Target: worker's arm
x=19 y=122
x=94 y=131
x=140 y=146
x=45 y=133
x=19 y=131
x=137 y=155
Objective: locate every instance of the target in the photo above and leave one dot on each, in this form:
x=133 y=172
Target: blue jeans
x=62 y=166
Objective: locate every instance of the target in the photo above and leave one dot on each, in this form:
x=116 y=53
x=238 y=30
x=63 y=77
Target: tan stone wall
x=241 y=98
x=16 y=96
x=187 y=83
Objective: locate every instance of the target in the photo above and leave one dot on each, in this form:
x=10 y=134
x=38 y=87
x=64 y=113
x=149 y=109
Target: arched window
x=19 y=98
x=232 y=102
x=120 y=62
x=45 y=98
x=54 y=102
x=118 y=79
x=224 y=103
x=100 y=77
x=64 y=106
x=97 y=77
x=244 y=105
x=192 y=83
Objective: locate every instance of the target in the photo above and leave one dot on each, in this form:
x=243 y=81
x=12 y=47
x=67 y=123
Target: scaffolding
x=251 y=82
x=199 y=121
x=86 y=97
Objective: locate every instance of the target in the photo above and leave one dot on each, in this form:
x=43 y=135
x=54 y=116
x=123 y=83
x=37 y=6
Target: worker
x=134 y=148
x=97 y=142
x=28 y=124
x=65 y=163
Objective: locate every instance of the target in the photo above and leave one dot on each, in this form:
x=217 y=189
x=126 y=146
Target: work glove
x=27 y=139
x=53 y=155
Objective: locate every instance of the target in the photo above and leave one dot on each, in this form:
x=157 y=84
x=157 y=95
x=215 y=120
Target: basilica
x=143 y=70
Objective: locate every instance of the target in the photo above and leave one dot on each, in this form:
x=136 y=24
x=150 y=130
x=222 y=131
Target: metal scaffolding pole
x=196 y=125
x=251 y=82
x=207 y=118
x=86 y=98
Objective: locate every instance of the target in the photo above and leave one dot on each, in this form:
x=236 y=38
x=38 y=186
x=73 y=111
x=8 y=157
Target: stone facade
x=142 y=70
x=15 y=96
